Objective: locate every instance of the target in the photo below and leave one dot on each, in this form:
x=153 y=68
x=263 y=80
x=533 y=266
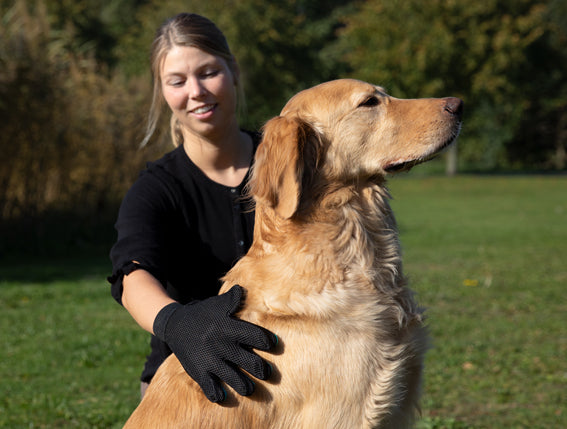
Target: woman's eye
x=210 y=73
x=176 y=83
x=369 y=102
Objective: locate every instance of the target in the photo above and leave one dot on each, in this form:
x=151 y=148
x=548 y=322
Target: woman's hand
x=212 y=345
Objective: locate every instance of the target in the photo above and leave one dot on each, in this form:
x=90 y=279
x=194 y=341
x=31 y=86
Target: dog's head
x=347 y=131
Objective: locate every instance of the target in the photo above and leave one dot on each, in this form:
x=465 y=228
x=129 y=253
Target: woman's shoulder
x=168 y=169
x=167 y=161
x=158 y=180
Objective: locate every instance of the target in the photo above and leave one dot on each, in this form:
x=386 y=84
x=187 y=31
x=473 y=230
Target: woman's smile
x=200 y=90
x=203 y=111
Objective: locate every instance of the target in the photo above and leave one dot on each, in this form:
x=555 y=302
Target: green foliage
x=541 y=137
x=278 y=45
x=484 y=254
x=97 y=25
x=69 y=126
x=75 y=84
x=293 y=39
x=493 y=54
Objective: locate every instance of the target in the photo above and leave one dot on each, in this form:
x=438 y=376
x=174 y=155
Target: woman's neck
x=225 y=159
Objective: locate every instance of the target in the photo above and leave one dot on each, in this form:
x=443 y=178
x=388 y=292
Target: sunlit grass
x=486 y=256
x=70 y=355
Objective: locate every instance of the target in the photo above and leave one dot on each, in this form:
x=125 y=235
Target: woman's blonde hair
x=185 y=29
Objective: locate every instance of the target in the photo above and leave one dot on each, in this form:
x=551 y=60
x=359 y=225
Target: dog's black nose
x=454 y=106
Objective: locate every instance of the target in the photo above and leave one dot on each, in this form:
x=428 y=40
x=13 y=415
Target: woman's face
x=200 y=90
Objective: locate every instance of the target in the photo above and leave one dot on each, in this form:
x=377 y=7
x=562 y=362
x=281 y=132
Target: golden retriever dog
x=324 y=272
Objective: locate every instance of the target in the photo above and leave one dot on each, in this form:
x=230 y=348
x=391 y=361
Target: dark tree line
x=75 y=85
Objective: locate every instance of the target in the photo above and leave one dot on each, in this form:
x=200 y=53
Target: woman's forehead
x=183 y=59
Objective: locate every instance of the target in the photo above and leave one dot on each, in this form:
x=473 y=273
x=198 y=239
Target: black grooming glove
x=212 y=345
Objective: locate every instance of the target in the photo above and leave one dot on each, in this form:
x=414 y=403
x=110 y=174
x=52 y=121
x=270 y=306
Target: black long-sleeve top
x=183 y=228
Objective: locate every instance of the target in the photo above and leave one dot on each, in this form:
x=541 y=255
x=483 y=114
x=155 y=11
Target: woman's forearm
x=144 y=296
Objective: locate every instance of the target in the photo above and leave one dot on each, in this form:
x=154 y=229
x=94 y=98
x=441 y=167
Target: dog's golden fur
x=324 y=272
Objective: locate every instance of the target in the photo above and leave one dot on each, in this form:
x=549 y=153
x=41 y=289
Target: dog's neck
x=334 y=261
x=353 y=225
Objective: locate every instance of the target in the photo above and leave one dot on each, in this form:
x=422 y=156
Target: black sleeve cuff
x=115 y=280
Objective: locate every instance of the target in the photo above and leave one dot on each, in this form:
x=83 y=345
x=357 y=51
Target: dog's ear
x=278 y=173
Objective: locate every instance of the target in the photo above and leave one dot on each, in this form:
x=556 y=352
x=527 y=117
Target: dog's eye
x=369 y=102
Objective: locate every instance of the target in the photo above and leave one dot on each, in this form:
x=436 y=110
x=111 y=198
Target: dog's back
x=324 y=272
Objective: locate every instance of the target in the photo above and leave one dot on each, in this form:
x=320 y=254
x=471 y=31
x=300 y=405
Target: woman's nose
x=196 y=88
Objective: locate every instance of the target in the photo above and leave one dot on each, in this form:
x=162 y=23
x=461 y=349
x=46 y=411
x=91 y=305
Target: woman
x=184 y=223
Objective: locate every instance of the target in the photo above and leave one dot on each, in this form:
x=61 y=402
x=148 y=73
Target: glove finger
x=232 y=299
x=209 y=384
x=253 y=336
x=235 y=378
x=251 y=363
x=213 y=390
x=245 y=332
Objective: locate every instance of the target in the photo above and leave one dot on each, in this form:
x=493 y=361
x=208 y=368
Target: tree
x=280 y=46
x=541 y=137
x=478 y=51
x=96 y=25
x=70 y=132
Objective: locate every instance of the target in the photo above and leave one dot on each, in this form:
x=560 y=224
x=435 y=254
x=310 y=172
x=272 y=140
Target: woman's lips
x=203 y=110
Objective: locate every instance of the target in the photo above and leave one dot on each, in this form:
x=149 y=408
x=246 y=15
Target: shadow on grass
x=55 y=247
x=48 y=269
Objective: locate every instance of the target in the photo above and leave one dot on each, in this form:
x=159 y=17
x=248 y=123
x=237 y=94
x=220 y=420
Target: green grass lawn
x=486 y=255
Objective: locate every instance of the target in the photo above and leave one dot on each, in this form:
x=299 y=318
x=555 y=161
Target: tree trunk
x=451 y=161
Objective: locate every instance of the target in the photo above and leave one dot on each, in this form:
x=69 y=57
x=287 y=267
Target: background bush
x=75 y=88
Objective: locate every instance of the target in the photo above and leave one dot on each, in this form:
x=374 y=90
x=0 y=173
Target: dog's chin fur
x=435 y=152
x=325 y=274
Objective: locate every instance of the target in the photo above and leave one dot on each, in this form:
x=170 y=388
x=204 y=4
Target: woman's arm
x=144 y=296
x=210 y=343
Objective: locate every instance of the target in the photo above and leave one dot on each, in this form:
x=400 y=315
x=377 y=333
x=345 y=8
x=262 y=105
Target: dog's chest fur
x=341 y=288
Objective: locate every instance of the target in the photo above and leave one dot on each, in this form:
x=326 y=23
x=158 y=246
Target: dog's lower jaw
x=403 y=166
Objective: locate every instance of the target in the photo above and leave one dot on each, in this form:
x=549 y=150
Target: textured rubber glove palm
x=212 y=345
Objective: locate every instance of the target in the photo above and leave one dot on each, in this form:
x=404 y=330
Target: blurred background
x=75 y=89
x=483 y=228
